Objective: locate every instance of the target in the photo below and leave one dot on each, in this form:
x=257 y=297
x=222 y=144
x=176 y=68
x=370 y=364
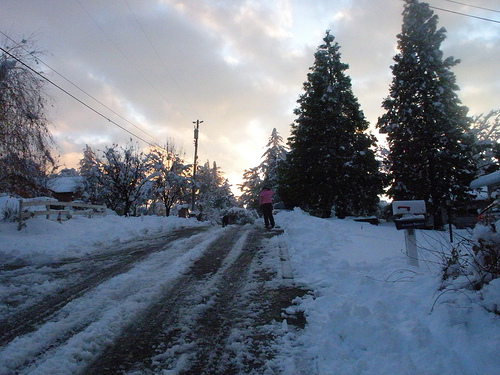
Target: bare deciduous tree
x=24 y=133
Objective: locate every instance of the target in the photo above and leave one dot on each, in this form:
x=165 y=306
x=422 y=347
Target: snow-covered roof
x=64 y=184
x=486 y=180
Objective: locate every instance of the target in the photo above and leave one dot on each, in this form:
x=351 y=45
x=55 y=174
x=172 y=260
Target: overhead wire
x=473 y=6
x=466 y=14
x=74 y=97
x=159 y=57
x=79 y=88
x=122 y=53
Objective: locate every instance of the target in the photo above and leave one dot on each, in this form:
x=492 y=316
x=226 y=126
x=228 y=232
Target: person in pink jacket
x=266 y=204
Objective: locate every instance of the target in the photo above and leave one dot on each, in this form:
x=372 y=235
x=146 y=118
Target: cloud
x=237 y=65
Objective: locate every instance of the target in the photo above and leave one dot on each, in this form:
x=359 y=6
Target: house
x=66 y=189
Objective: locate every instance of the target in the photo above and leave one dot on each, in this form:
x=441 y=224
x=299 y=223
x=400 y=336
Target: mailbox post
x=410 y=216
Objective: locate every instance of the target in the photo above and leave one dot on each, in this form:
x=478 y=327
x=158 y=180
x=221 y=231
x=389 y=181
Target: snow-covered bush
x=475 y=259
x=240 y=216
x=9 y=208
x=486 y=251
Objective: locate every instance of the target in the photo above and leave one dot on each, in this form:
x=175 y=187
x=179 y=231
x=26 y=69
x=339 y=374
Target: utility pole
x=196 y=131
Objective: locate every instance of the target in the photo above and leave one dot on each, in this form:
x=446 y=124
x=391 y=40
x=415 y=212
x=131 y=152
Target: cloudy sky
x=236 y=65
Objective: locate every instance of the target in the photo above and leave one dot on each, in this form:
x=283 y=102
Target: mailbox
x=411 y=222
x=408 y=207
x=411 y=214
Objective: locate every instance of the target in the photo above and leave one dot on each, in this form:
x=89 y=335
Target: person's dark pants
x=267 y=210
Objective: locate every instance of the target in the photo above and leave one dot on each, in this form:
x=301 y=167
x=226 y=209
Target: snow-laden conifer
x=265 y=174
x=486 y=131
x=427 y=127
x=331 y=163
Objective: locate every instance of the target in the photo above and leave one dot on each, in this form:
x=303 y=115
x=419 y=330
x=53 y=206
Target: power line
x=74 y=97
x=79 y=88
x=122 y=53
x=464 y=14
x=159 y=57
x=473 y=6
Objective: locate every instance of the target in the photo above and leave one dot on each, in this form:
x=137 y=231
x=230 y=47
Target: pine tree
x=427 y=128
x=250 y=188
x=274 y=155
x=91 y=172
x=265 y=174
x=331 y=163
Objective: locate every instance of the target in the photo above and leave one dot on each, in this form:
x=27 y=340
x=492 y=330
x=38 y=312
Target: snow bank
x=45 y=240
x=370 y=313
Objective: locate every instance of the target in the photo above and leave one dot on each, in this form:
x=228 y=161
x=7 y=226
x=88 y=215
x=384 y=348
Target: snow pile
x=372 y=314
x=50 y=240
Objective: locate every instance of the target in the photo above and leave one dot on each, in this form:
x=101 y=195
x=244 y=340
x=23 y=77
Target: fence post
x=20 y=217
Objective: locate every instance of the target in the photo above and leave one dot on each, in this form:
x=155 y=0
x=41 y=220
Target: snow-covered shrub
x=476 y=259
x=9 y=214
x=486 y=249
x=9 y=208
x=240 y=216
x=455 y=262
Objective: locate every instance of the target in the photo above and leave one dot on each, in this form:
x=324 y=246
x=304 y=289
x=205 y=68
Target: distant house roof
x=65 y=184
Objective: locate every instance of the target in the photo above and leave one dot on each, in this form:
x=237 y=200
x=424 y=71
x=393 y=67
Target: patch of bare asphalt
x=82 y=275
x=216 y=319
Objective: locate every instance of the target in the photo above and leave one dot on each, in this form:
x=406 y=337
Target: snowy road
x=70 y=279
x=166 y=295
x=195 y=301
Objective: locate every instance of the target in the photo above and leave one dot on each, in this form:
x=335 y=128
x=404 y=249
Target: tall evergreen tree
x=274 y=155
x=331 y=163
x=250 y=188
x=90 y=169
x=266 y=174
x=430 y=154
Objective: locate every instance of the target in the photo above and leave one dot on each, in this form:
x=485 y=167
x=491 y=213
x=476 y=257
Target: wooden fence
x=67 y=210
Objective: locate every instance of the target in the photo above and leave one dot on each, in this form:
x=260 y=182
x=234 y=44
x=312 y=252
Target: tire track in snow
x=98 y=269
x=162 y=322
x=219 y=318
x=98 y=307
x=208 y=309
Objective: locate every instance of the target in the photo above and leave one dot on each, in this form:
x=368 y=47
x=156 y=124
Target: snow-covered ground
x=376 y=315
x=369 y=313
